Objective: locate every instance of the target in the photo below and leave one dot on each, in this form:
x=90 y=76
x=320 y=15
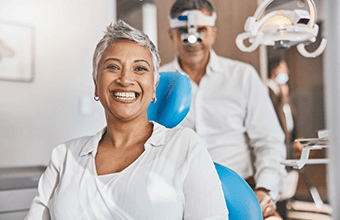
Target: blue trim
x=183 y=18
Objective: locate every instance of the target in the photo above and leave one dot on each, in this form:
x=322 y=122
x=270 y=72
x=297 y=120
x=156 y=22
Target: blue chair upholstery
x=240 y=198
x=173 y=95
x=173 y=103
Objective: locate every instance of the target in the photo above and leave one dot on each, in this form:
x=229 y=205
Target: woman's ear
x=154 y=90
x=156 y=84
x=95 y=89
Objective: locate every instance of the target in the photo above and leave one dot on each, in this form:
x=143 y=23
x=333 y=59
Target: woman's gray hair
x=122 y=31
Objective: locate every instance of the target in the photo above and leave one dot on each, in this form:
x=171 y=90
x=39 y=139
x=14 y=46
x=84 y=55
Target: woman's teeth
x=125 y=95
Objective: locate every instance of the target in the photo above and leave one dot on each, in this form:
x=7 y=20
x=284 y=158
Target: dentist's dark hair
x=273 y=63
x=183 y=5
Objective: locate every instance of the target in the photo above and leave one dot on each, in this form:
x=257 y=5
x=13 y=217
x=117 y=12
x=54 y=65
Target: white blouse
x=174 y=178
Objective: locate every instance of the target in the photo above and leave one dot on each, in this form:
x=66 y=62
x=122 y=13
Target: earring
x=154 y=100
x=96 y=98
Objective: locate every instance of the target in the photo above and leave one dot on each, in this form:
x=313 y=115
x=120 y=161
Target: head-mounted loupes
x=282 y=29
x=191 y=19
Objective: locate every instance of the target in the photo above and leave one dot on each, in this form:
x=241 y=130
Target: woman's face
x=125 y=83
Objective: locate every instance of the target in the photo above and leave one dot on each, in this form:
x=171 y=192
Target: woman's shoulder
x=77 y=142
x=183 y=145
x=76 y=146
x=72 y=145
x=183 y=132
x=177 y=133
x=185 y=139
x=177 y=140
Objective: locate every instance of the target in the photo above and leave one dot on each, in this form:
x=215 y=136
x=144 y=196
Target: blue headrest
x=240 y=198
x=173 y=95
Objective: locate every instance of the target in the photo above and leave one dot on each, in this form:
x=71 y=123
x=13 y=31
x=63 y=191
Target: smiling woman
x=132 y=168
x=125 y=81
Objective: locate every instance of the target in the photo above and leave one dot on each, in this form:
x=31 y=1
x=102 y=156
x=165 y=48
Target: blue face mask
x=282 y=78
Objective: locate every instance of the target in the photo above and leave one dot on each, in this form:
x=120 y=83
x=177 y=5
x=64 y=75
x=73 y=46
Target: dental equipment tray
x=309 y=144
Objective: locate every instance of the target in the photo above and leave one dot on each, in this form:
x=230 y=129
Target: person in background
x=279 y=93
x=278 y=76
x=230 y=109
x=132 y=168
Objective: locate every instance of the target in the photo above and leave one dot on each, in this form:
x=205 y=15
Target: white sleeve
x=47 y=184
x=266 y=137
x=202 y=188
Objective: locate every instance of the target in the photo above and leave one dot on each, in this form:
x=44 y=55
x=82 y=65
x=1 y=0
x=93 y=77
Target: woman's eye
x=141 y=68
x=112 y=67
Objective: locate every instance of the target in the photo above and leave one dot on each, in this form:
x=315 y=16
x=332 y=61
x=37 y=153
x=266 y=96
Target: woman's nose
x=126 y=77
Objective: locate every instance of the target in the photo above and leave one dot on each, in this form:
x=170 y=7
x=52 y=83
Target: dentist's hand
x=268 y=206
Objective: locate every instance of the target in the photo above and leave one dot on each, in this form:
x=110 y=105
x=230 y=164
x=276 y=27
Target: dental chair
x=173 y=103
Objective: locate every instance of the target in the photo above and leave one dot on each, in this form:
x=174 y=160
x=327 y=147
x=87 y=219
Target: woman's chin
x=127 y=115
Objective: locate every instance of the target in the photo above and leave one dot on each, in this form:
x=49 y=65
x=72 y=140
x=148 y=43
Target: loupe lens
x=192 y=39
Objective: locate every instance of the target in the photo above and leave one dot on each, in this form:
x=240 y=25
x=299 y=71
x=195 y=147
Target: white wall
x=37 y=116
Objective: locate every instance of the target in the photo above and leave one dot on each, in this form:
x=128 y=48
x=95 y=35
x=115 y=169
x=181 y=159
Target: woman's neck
x=122 y=134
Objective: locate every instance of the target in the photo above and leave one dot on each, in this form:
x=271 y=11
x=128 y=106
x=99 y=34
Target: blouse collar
x=156 y=140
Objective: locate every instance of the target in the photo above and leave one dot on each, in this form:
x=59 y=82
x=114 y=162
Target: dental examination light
x=282 y=29
x=191 y=19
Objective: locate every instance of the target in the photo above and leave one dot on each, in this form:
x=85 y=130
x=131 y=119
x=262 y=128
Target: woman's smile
x=125 y=96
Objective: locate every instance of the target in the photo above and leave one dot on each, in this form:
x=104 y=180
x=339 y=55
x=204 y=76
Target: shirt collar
x=177 y=66
x=156 y=140
x=92 y=144
x=213 y=64
x=158 y=135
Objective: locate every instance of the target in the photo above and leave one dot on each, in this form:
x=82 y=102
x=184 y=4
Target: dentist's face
x=194 y=53
x=125 y=83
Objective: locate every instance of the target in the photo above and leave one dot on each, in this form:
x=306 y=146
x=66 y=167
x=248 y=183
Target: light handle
x=302 y=50
x=246 y=35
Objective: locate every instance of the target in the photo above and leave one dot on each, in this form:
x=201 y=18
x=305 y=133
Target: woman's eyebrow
x=141 y=60
x=112 y=59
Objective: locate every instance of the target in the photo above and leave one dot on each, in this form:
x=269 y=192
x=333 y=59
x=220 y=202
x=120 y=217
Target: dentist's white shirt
x=234 y=115
x=174 y=178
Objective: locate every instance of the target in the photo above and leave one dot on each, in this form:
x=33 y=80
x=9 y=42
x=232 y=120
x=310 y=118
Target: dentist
x=230 y=108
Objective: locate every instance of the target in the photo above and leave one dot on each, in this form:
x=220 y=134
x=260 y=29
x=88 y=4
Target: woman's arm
x=47 y=184
x=203 y=193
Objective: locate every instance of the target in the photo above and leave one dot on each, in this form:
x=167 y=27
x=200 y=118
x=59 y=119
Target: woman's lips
x=125 y=95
